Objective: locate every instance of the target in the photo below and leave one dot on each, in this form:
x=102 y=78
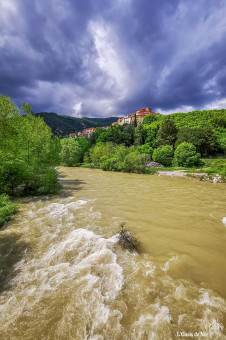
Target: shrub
x=111 y=164
x=145 y=149
x=15 y=177
x=134 y=162
x=46 y=182
x=186 y=155
x=7 y=208
x=100 y=150
x=127 y=240
x=20 y=179
x=163 y=155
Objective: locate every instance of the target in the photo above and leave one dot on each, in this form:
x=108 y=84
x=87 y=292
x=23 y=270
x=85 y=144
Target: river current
x=64 y=276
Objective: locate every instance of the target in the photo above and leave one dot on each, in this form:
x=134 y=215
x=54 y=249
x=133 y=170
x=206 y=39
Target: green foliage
x=197 y=119
x=84 y=145
x=27 y=151
x=100 y=150
x=17 y=178
x=151 y=135
x=186 y=155
x=218 y=120
x=216 y=166
x=139 y=137
x=70 y=152
x=128 y=134
x=163 y=155
x=134 y=162
x=167 y=134
x=149 y=119
x=7 y=208
x=145 y=149
x=111 y=157
x=221 y=140
x=34 y=141
x=26 y=108
x=9 y=123
x=46 y=182
x=202 y=138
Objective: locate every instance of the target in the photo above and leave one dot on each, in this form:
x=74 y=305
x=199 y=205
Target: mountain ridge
x=63 y=125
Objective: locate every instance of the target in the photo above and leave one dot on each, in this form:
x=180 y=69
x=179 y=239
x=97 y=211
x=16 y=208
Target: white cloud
x=217 y=104
x=77 y=110
x=110 y=58
x=184 y=108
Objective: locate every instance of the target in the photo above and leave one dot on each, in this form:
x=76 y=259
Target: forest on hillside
x=64 y=125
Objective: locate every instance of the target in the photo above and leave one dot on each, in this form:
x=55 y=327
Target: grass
x=7 y=209
x=215 y=166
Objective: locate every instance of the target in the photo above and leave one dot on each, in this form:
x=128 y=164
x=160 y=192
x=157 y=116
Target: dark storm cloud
x=103 y=57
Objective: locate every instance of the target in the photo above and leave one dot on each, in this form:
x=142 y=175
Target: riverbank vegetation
x=29 y=152
x=180 y=140
x=7 y=208
x=28 y=155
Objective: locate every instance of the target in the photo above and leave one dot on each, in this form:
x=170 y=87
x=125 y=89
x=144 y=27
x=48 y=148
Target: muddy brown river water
x=63 y=275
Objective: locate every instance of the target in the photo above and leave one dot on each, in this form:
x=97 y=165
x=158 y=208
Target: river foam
x=73 y=283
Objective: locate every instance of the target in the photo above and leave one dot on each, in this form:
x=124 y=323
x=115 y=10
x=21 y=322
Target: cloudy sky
x=102 y=58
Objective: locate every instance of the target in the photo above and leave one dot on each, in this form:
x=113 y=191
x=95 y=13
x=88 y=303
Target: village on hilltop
x=138 y=116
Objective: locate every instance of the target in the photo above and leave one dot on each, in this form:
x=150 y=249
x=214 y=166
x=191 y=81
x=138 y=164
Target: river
x=64 y=276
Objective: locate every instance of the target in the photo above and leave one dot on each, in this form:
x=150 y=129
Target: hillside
x=64 y=125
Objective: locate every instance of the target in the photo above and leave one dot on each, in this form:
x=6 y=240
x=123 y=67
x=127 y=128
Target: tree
x=35 y=138
x=25 y=153
x=84 y=145
x=149 y=119
x=95 y=135
x=167 y=134
x=186 y=155
x=70 y=152
x=218 y=121
x=210 y=145
x=139 y=135
x=163 y=155
x=151 y=136
x=145 y=149
x=202 y=138
x=135 y=120
x=9 y=121
x=27 y=109
x=128 y=134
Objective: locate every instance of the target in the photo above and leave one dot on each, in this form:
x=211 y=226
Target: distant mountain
x=64 y=125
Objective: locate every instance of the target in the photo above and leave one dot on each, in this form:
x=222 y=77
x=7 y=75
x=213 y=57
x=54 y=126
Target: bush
x=186 y=155
x=145 y=149
x=15 y=177
x=111 y=164
x=7 y=208
x=163 y=155
x=46 y=182
x=127 y=240
x=20 y=179
x=134 y=162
